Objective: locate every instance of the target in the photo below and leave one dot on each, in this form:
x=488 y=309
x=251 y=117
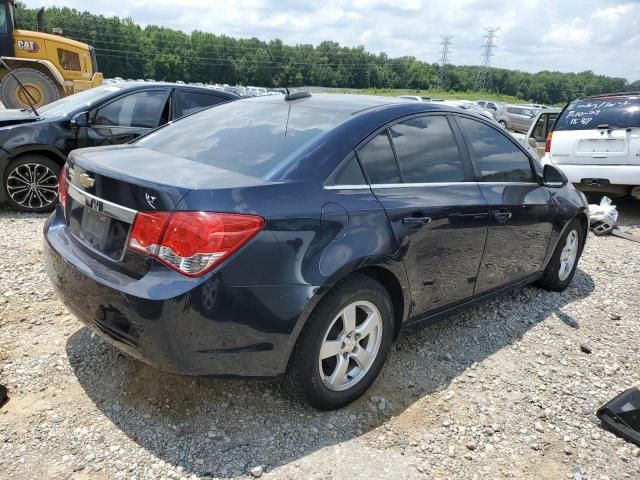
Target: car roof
x=614 y=94
x=351 y=104
x=146 y=85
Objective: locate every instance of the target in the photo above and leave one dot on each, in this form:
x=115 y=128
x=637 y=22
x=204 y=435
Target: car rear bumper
x=615 y=174
x=177 y=324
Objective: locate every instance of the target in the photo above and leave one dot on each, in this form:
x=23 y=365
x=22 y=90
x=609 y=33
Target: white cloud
x=572 y=35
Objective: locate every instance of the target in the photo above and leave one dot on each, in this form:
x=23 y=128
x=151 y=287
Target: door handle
x=416 y=221
x=502 y=215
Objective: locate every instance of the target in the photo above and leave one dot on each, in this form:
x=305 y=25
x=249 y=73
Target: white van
x=596 y=142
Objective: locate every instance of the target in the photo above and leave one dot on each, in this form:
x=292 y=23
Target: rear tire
x=564 y=261
x=39 y=85
x=353 y=357
x=31 y=183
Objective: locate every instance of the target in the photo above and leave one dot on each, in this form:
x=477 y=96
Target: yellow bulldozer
x=48 y=66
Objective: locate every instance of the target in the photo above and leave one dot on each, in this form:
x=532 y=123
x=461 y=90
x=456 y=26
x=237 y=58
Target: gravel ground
x=504 y=390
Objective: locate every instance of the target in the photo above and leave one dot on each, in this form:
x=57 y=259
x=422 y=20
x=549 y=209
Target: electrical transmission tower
x=444 y=60
x=483 y=81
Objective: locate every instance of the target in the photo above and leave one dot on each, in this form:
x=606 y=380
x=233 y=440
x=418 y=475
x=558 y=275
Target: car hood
x=16 y=117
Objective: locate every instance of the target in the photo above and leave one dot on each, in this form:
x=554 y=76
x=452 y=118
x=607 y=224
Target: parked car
x=344 y=222
x=536 y=138
x=596 y=143
x=515 y=117
x=490 y=105
x=416 y=98
x=467 y=105
x=536 y=106
x=34 y=147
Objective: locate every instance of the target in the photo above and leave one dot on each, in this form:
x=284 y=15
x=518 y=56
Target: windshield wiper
x=30 y=99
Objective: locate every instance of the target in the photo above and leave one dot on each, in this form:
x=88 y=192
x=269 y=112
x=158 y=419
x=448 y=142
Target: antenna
x=444 y=60
x=29 y=98
x=483 y=81
x=280 y=69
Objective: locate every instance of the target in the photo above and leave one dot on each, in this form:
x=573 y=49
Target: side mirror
x=553 y=177
x=80 y=120
x=532 y=142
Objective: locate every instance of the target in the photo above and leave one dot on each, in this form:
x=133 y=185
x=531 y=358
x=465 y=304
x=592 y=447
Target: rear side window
x=378 y=160
x=141 y=110
x=499 y=158
x=348 y=173
x=427 y=150
x=614 y=111
x=191 y=102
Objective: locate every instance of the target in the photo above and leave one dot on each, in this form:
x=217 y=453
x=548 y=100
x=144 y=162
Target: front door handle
x=502 y=215
x=416 y=221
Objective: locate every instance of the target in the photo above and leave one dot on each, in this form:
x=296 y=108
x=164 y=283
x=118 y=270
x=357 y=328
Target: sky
x=568 y=35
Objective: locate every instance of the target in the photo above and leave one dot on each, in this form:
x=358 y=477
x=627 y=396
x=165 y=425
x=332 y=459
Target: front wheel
x=503 y=124
x=344 y=344
x=31 y=183
x=562 y=266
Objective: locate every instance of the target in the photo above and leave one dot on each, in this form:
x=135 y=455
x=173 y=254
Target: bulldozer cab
x=7 y=16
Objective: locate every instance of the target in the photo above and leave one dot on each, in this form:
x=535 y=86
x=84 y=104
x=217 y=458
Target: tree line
x=125 y=49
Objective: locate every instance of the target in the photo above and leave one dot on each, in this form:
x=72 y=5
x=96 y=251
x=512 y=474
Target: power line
x=483 y=81
x=444 y=60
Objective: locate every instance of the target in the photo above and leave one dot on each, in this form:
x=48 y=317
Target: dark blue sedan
x=303 y=234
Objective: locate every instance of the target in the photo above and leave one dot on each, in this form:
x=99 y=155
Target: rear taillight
x=192 y=243
x=62 y=186
x=547 y=143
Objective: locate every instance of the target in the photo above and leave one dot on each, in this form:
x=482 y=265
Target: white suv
x=596 y=142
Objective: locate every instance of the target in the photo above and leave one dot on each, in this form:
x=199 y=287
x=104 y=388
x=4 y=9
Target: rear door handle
x=502 y=215
x=416 y=221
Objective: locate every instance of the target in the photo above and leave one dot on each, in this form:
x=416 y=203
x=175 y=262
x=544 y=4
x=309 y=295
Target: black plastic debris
x=585 y=348
x=3 y=395
x=622 y=415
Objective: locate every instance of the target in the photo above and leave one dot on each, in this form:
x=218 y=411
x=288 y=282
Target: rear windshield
x=615 y=111
x=245 y=136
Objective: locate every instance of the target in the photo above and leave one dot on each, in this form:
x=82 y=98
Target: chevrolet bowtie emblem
x=86 y=181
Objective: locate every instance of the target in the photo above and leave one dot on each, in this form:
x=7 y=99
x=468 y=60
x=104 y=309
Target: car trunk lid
x=596 y=147
x=107 y=188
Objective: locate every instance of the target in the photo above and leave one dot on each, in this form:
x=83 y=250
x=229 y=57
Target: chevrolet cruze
x=302 y=234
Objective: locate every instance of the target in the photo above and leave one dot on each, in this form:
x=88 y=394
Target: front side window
x=191 y=102
x=69 y=60
x=378 y=160
x=499 y=158
x=427 y=150
x=142 y=110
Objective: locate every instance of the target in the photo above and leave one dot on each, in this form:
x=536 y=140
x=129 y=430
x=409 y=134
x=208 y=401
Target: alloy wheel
x=32 y=186
x=568 y=255
x=350 y=345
